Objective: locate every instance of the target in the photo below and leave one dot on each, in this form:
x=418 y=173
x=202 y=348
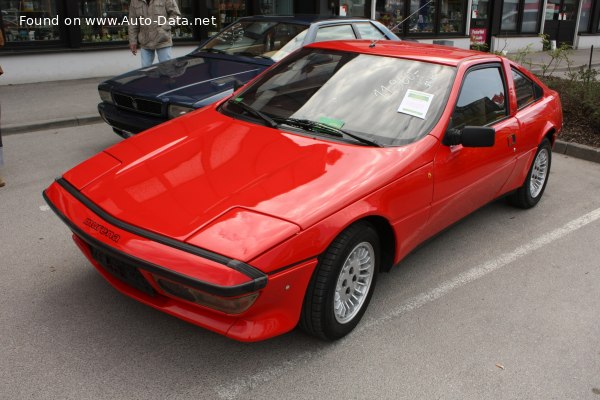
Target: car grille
x=123 y=271
x=137 y=104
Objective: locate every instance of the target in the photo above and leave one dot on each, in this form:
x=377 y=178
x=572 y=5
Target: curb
x=50 y=124
x=577 y=150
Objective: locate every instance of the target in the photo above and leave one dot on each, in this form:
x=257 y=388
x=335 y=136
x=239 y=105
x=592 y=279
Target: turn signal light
x=228 y=305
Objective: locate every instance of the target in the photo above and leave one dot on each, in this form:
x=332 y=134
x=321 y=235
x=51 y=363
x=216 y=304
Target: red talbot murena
x=278 y=206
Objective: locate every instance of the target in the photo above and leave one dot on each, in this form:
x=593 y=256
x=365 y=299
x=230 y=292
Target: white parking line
x=44 y=208
x=238 y=386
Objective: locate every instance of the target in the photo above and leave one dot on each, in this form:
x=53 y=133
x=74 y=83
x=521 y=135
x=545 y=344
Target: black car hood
x=188 y=79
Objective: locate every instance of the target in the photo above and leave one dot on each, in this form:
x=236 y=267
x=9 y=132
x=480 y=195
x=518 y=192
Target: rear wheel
x=342 y=284
x=532 y=190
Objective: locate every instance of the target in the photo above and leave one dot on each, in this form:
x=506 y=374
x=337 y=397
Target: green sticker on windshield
x=336 y=123
x=238 y=99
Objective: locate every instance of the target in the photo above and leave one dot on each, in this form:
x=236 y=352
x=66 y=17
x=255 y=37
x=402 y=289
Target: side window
x=482 y=98
x=524 y=89
x=337 y=32
x=368 y=31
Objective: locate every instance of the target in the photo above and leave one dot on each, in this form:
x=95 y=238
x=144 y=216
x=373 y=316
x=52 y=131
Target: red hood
x=181 y=176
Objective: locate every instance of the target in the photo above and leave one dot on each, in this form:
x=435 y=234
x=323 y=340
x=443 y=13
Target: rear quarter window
x=526 y=90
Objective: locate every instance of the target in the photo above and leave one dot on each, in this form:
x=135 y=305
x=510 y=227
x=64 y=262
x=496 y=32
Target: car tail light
x=228 y=305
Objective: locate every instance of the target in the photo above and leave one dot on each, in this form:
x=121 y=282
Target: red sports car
x=280 y=205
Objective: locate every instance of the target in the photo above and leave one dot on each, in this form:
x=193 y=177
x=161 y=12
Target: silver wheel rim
x=539 y=173
x=354 y=282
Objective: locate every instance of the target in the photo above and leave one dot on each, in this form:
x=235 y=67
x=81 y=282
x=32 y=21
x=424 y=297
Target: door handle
x=512 y=139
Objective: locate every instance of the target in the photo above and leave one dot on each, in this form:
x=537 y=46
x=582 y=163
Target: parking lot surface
x=503 y=305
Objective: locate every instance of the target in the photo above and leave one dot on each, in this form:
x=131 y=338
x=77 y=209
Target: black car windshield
x=388 y=100
x=267 y=39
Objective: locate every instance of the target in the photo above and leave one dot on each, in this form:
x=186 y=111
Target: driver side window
x=482 y=98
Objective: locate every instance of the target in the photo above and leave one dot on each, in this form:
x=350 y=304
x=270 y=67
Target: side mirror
x=471 y=136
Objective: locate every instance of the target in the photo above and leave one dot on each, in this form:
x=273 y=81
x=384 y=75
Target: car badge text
x=101 y=229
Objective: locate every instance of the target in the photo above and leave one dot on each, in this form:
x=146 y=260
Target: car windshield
x=388 y=100
x=265 y=39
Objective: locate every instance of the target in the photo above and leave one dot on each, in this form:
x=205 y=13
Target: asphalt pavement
x=503 y=305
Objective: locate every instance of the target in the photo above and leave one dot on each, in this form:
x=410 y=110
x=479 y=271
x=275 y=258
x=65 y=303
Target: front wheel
x=532 y=190
x=342 y=284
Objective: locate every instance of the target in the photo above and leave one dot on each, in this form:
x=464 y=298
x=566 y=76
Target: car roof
x=304 y=19
x=410 y=50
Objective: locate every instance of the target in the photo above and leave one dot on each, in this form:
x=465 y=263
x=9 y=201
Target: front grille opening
x=125 y=272
x=138 y=104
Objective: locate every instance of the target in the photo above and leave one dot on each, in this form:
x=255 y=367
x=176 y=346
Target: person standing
x=152 y=38
x=2 y=183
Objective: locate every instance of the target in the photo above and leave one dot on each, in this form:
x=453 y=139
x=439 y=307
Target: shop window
x=586 y=15
x=356 y=8
x=482 y=99
x=451 y=16
x=225 y=12
x=521 y=16
x=390 y=13
x=424 y=19
x=531 y=16
x=339 y=32
x=187 y=11
x=30 y=21
x=510 y=14
x=275 y=7
x=101 y=20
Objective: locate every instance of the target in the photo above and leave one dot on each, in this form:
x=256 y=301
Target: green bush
x=580 y=96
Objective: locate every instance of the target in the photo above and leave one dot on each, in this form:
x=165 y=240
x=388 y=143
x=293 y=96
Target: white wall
x=34 y=68
x=586 y=42
x=513 y=44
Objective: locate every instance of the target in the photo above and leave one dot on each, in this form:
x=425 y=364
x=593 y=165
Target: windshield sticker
x=238 y=99
x=416 y=103
x=336 y=123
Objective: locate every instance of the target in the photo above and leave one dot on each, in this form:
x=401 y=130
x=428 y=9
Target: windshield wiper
x=254 y=112
x=321 y=127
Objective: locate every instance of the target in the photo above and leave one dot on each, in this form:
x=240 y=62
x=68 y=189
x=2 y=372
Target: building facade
x=67 y=39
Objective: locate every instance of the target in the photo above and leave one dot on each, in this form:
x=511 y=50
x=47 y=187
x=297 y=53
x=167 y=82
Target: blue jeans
x=164 y=54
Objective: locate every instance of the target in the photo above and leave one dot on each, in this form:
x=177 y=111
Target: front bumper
x=137 y=262
x=127 y=123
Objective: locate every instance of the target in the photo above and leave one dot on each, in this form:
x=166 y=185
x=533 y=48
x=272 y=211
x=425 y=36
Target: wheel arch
x=387 y=238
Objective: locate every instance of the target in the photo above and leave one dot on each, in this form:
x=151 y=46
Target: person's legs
x=147 y=57
x=164 y=54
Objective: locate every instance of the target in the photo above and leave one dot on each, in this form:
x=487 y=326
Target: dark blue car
x=146 y=97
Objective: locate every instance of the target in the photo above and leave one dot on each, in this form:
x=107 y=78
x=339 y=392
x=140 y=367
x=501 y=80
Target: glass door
x=561 y=18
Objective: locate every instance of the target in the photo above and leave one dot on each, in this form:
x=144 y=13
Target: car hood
x=188 y=79
x=199 y=182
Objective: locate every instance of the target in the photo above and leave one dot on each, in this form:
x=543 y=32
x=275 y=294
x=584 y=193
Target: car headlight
x=105 y=96
x=177 y=111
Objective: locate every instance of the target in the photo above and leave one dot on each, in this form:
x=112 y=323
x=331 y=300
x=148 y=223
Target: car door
x=465 y=178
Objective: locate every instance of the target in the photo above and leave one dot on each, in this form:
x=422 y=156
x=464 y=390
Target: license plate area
x=123 y=271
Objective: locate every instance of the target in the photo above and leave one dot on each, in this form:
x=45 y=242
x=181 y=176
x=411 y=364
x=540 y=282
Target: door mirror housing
x=471 y=136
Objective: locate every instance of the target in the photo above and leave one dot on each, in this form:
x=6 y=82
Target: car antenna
x=374 y=41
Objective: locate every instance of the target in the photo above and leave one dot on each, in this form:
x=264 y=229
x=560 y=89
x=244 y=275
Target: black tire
x=523 y=197
x=318 y=316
